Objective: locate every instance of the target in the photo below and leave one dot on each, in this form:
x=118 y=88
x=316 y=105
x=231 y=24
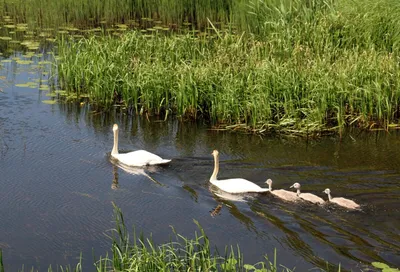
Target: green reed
x=48 y=13
x=295 y=86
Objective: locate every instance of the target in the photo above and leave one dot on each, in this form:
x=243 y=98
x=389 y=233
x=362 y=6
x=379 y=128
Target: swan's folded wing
x=140 y=158
x=238 y=185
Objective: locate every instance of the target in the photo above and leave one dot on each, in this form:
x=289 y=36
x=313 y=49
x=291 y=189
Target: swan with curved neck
x=283 y=194
x=135 y=158
x=341 y=201
x=235 y=185
x=307 y=196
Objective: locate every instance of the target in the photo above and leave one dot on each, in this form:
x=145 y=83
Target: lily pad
x=122 y=26
x=44 y=34
x=43 y=62
x=61 y=92
x=28 y=55
x=71 y=29
x=33 y=47
x=72 y=96
x=22 y=85
x=50 y=102
x=40 y=80
x=21 y=28
x=24 y=61
x=44 y=87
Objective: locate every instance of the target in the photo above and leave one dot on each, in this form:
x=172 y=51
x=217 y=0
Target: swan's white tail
x=163 y=161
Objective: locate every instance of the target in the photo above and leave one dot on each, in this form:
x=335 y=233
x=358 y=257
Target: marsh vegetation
x=299 y=67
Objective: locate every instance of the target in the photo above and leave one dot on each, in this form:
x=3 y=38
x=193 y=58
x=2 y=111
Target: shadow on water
x=136 y=171
x=56 y=172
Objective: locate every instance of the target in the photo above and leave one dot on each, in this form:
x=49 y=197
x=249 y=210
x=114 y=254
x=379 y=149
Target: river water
x=57 y=183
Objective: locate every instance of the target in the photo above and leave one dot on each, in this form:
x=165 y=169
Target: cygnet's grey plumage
x=283 y=194
x=307 y=196
x=341 y=201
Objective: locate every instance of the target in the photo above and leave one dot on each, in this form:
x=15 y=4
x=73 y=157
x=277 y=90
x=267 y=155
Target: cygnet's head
x=115 y=127
x=269 y=181
x=327 y=191
x=296 y=185
x=215 y=153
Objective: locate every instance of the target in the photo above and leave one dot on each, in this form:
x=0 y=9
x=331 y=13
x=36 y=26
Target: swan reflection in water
x=137 y=171
x=228 y=200
x=114 y=184
x=228 y=196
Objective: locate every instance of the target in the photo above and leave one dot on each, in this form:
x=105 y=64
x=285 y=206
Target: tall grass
x=49 y=13
x=292 y=65
x=231 y=79
x=181 y=254
x=351 y=22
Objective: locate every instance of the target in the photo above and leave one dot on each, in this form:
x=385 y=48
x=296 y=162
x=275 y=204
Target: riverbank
x=236 y=80
x=313 y=69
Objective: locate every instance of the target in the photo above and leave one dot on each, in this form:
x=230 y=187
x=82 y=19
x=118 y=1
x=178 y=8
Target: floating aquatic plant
x=50 y=102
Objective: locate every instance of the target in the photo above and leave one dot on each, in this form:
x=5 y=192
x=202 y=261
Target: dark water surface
x=57 y=183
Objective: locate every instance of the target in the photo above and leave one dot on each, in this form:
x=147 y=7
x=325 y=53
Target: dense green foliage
x=49 y=13
x=309 y=82
x=294 y=66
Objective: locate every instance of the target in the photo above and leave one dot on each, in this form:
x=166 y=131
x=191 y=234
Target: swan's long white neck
x=216 y=168
x=329 y=196
x=270 y=187
x=298 y=192
x=115 y=147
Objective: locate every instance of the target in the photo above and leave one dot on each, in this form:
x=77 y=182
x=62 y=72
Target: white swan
x=235 y=185
x=307 y=196
x=344 y=202
x=285 y=195
x=135 y=158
